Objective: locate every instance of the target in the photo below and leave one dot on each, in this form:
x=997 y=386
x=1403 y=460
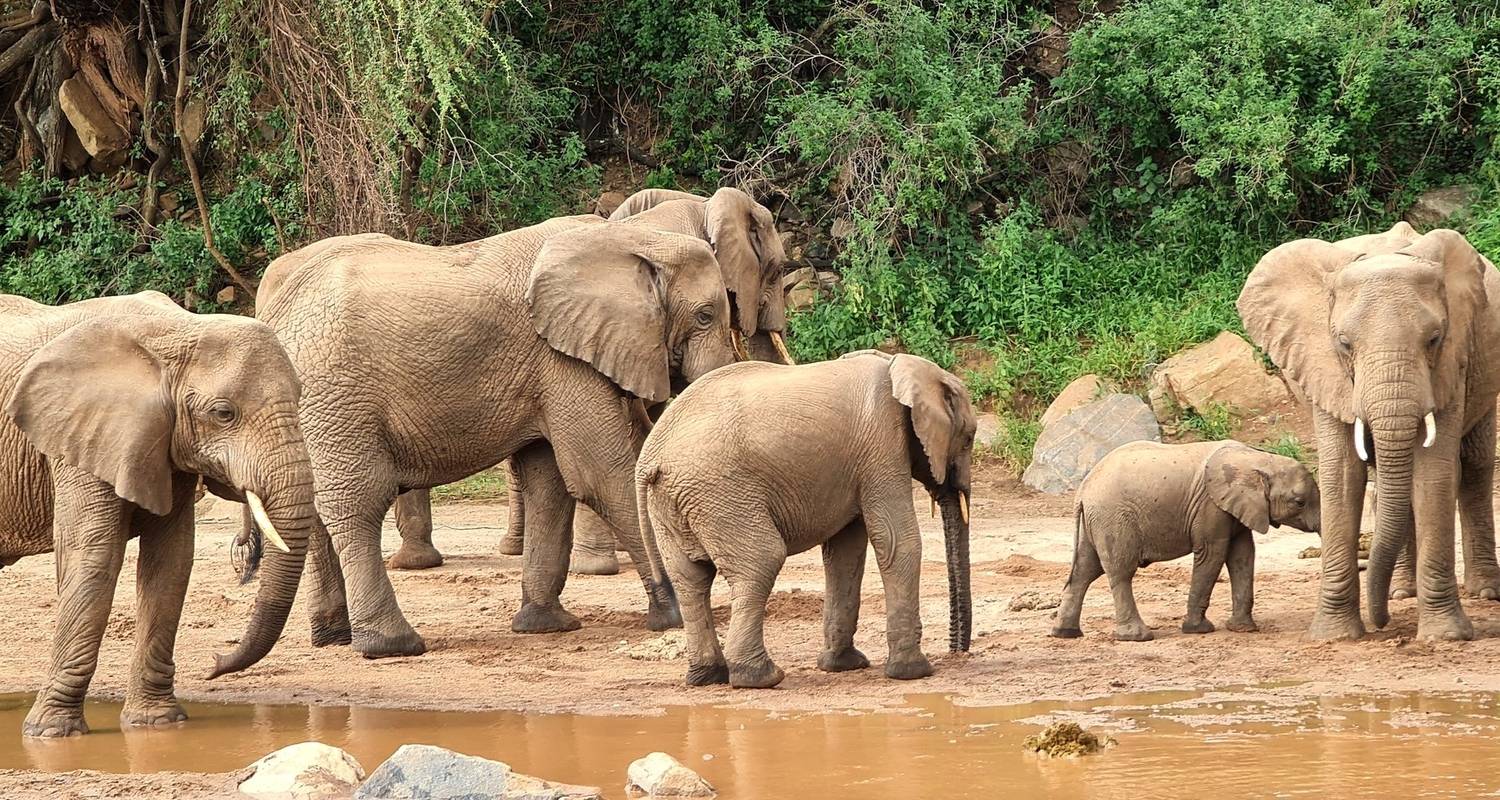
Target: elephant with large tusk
x=1389 y=336
x=114 y=408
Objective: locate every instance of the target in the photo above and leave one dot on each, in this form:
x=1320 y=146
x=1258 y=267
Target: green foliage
x=481 y=486
x=1212 y=424
x=1290 y=446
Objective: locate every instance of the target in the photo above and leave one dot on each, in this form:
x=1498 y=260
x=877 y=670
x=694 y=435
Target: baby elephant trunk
x=954 y=504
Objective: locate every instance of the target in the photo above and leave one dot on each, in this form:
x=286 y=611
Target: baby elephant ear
x=1238 y=487
x=597 y=293
x=95 y=398
x=940 y=410
x=647 y=199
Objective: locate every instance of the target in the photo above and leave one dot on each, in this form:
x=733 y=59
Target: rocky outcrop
x=1224 y=372
x=305 y=771
x=1433 y=209
x=97 y=130
x=660 y=775
x=1068 y=448
x=420 y=771
x=1082 y=390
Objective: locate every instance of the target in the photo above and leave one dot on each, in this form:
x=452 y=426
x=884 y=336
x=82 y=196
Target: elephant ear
x=1285 y=306
x=96 y=398
x=597 y=293
x=1464 y=272
x=1239 y=487
x=940 y=411
x=729 y=218
x=647 y=199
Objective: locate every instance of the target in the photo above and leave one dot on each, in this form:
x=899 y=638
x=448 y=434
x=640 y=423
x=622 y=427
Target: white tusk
x=963 y=505
x=739 y=348
x=933 y=500
x=1359 y=440
x=1431 y=430
x=781 y=348
x=258 y=510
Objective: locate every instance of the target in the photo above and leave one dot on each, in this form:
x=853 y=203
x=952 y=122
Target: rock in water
x=424 y=772
x=305 y=771
x=1071 y=446
x=660 y=775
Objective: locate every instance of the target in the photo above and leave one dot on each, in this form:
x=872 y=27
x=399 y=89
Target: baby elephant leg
x=1208 y=562
x=1129 y=627
x=1242 y=582
x=1086 y=570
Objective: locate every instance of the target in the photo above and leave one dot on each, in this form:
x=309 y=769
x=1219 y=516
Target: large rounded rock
x=304 y=771
x=1071 y=446
x=1222 y=372
x=1083 y=389
x=660 y=775
x=424 y=772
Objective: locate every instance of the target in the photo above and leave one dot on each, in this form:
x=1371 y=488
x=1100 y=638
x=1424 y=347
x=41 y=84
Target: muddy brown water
x=1264 y=742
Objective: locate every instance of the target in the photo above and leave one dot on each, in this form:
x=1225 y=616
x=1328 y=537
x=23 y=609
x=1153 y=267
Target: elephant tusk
x=963 y=505
x=258 y=510
x=1431 y=430
x=1359 y=440
x=933 y=500
x=739 y=345
x=781 y=347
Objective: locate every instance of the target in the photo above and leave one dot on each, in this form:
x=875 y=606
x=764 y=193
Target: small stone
x=1083 y=389
x=660 y=775
x=987 y=430
x=425 y=772
x=168 y=202
x=305 y=771
x=842 y=228
x=226 y=296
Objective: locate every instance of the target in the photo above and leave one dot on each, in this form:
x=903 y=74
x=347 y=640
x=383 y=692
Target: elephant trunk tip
x=223 y=665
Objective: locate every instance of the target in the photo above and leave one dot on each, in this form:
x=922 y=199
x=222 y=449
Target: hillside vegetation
x=1024 y=191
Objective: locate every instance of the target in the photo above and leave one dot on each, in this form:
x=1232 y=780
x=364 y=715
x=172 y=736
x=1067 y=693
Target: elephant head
x=135 y=399
x=1262 y=489
x=644 y=307
x=1378 y=331
x=940 y=443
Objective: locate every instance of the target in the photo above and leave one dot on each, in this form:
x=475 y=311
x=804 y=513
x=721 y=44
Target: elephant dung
x=428 y=772
x=660 y=775
x=1071 y=446
x=1065 y=740
x=304 y=771
x=1223 y=372
x=1082 y=390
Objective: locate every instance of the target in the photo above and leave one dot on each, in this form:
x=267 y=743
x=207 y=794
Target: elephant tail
x=1077 y=541
x=644 y=479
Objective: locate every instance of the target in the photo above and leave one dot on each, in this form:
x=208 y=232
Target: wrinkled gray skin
x=534 y=345
x=1382 y=331
x=1147 y=502
x=751 y=257
x=113 y=410
x=757 y=462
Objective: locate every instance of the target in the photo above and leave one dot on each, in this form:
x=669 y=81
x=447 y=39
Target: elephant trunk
x=1396 y=437
x=956 y=545
x=289 y=508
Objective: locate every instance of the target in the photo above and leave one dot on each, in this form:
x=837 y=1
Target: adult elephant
x=532 y=345
x=114 y=408
x=743 y=235
x=1387 y=336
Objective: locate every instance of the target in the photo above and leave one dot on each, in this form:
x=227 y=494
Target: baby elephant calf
x=1148 y=502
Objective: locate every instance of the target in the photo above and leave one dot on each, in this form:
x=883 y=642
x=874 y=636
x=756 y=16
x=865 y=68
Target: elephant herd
x=378 y=368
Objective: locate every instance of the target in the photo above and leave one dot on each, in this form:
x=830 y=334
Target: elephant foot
x=708 y=674
x=1452 y=626
x=374 y=644
x=1245 y=624
x=663 y=616
x=512 y=545
x=1329 y=626
x=908 y=668
x=331 y=627
x=1198 y=626
x=1133 y=632
x=415 y=556
x=761 y=673
x=1065 y=632
x=544 y=618
x=1403 y=592
x=54 y=723
x=843 y=659
x=152 y=716
x=1485 y=585
x=584 y=562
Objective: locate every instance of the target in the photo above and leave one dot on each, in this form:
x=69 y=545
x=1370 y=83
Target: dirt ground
x=1021 y=543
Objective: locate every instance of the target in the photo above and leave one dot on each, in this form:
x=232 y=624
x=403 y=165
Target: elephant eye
x=705 y=316
x=1344 y=344
x=1298 y=502
x=222 y=412
x=1434 y=340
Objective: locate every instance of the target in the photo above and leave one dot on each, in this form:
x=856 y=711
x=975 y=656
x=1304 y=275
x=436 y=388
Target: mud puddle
x=1263 y=742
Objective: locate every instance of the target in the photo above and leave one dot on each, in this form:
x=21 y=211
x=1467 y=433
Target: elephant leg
x=549 y=523
x=353 y=508
x=750 y=666
x=328 y=604
x=161 y=581
x=414 y=522
x=1086 y=569
x=1241 y=560
x=593 y=545
x=1208 y=563
x=843 y=572
x=1476 y=508
x=1404 y=581
x=694 y=581
x=1341 y=485
x=89 y=531
x=1129 y=627
x=891 y=524
x=513 y=542
x=1439 y=614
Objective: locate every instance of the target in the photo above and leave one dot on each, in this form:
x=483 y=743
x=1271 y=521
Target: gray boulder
x=1071 y=446
x=424 y=772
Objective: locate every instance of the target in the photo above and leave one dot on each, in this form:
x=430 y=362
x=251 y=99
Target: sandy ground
x=1021 y=542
